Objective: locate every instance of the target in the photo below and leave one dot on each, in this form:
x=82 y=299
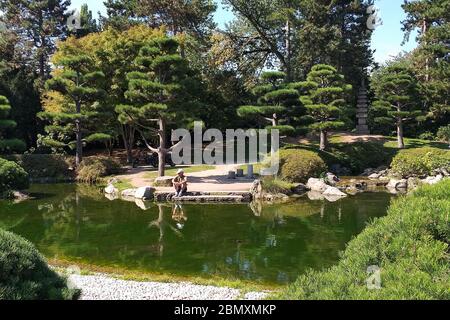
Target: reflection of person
x=179 y=216
x=180 y=183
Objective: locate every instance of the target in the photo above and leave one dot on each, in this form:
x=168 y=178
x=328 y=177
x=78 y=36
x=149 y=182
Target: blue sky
x=386 y=40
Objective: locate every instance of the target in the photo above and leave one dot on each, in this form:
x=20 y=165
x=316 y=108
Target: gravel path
x=101 y=287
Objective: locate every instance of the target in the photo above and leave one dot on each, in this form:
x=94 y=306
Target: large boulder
x=334 y=192
x=163 y=181
x=317 y=185
x=299 y=188
x=144 y=193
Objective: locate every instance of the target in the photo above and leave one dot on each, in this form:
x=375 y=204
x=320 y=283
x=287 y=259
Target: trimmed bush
x=12 y=177
x=359 y=156
x=297 y=165
x=40 y=166
x=275 y=186
x=93 y=169
x=420 y=162
x=443 y=134
x=410 y=246
x=24 y=274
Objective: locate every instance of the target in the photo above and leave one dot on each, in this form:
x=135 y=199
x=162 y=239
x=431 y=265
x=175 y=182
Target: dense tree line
x=292 y=64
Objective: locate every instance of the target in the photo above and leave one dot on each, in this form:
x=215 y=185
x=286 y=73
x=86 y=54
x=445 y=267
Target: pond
x=272 y=245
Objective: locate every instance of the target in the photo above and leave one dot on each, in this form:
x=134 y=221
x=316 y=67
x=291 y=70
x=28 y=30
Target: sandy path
x=209 y=180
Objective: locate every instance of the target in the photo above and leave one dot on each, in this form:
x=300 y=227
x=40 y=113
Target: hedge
x=420 y=161
x=410 y=245
x=298 y=165
x=12 y=177
x=24 y=274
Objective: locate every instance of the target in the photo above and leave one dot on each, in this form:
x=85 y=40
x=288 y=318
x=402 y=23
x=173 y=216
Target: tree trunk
x=162 y=148
x=274 y=120
x=323 y=140
x=288 y=52
x=79 y=146
x=400 y=141
x=128 y=141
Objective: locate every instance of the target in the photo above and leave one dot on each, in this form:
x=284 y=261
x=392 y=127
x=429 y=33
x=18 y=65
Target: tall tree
x=7 y=144
x=325 y=100
x=397 y=98
x=78 y=81
x=278 y=104
x=431 y=18
x=160 y=90
x=38 y=24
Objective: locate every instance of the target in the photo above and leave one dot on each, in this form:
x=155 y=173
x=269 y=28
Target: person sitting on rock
x=180 y=183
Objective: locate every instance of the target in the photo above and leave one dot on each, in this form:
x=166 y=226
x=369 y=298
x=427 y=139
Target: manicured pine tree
x=397 y=98
x=6 y=144
x=78 y=81
x=324 y=95
x=277 y=103
x=161 y=92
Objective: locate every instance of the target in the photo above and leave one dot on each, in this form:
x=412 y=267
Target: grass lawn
x=173 y=171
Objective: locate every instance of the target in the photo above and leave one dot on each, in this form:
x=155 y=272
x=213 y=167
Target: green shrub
x=443 y=134
x=24 y=274
x=94 y=169
x=427 y=136
x=410 y=245
x=41 y=166
x=420 y=161
x=358 y=156
x=298 y=165
x=275 y=186
x=12 y=177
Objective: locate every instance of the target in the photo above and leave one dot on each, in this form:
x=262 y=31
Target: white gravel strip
x=100 y=287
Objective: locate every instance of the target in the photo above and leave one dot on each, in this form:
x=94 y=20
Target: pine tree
x=6 y=125
x=77 y=80
x=277 y=103
x=160 y=91
x=325 y=98
x=397 y=98
x=430 y=60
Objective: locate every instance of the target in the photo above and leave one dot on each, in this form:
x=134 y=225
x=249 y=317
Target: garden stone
x=413 y=183
x=163 y=181
x=315 y=195
x=333 y=191
x=299 y=188
x=128 y=193
x=111 y=196
x=395 y=184
x=433 y=180
x=256 y=189
x=110 y=189
x=144 y=193
x=331 y=179
x=317 y=185
x=375 y=176
x=20 y=196
x=144 y=205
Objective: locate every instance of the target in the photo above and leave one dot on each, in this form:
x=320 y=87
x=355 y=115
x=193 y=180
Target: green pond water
x=269 y=245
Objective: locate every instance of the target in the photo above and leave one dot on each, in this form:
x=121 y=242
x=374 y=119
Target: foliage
x=25 y=275
x=277 y=103
x=297 y=165
x=398 y=100
x=93 y=169
x=162 y=89
x=410 y=246
x=275 y=186
x=8 y=145
x=80 y=82
x=443 y=134
x=324 y=96
x=420 y=162
x=41 y=166
x=12 y=177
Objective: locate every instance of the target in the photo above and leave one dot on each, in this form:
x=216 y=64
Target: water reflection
x=267 y=243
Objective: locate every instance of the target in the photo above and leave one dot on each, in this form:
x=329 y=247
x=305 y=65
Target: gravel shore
x=101 y=287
